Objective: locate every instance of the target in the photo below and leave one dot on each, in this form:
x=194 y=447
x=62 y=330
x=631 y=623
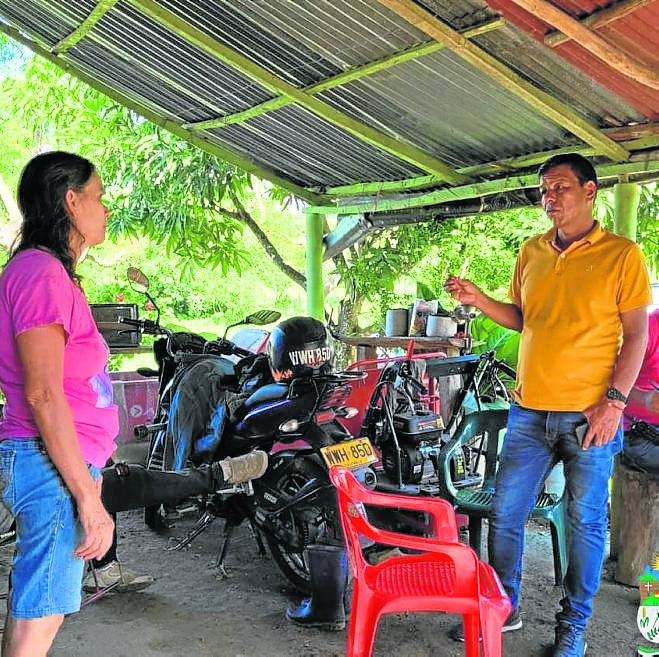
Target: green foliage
x=168 y=201
x=393 y=267
x=158 y=185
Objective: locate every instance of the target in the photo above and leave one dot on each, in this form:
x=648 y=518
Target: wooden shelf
x=402 y=341
x=366 y=346
x=140 y=349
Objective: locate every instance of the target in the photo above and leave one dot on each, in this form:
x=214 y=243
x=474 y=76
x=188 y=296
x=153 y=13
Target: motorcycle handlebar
x=225 y=347
x=143 y=325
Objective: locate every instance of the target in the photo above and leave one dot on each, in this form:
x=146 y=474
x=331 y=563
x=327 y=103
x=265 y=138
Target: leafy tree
x=160 y=186
x=196 y=206
x=647 y=230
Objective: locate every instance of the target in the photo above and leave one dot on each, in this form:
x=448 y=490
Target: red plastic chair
x=442 y=575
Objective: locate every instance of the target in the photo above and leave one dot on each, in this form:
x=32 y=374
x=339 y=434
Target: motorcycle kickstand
x=199 y=527
x=228 y=533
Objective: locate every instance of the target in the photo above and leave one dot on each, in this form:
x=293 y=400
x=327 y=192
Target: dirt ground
x=190 y=610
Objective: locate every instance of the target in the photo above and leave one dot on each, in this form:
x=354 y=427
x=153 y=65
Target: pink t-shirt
x=35 y=290
x=648 y=378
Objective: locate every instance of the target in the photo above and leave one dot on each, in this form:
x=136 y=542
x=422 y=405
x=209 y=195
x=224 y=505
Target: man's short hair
x=581 y=167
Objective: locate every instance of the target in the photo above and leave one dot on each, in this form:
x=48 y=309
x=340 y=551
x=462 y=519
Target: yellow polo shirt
x=571 y=303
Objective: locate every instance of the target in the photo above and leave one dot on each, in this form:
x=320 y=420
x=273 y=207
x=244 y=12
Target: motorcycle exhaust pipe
x=366 y=477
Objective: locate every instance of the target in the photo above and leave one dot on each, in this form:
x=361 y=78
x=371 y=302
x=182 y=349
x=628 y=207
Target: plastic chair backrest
x=441 y=575
x=489 y=422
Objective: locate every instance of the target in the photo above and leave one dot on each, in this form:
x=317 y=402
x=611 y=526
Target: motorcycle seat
x=268 y=393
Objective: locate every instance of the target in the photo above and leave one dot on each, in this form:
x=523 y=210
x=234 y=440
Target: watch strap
x=613 y=394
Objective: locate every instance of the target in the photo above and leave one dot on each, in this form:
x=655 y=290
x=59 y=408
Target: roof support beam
x=641 y=164
x=204 y=42
x=102 y=8
x=593 y=43
x=632 y=138
x=600 y=19
x=357 y=73
x=550 y=107
x=148 y=113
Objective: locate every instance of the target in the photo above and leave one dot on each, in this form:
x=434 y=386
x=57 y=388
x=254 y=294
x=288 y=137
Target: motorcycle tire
x=294 y=565
x=155 y=516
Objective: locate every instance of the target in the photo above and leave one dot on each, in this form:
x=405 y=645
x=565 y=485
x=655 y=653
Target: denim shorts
x=47 y=575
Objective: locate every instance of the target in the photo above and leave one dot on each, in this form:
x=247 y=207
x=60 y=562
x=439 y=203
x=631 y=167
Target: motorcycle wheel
x=300 y=521
x=155 y=516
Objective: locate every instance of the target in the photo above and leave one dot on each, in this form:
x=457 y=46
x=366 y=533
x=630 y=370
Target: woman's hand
x=98 y=528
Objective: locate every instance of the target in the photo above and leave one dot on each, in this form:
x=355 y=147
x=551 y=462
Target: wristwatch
x=613 y=394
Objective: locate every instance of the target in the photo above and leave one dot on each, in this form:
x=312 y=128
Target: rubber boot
x=324 y=610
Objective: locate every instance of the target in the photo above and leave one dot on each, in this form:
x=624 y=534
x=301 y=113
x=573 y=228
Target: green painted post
x=314 y=266
x=627 y=196
x=625 y=208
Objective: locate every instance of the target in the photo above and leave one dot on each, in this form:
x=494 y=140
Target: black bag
x=641 y=451
x=643 y=430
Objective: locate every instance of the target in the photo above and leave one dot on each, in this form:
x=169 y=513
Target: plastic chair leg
x=363 y=623
x=558 y=525
x=471 y=626
x=476 y=534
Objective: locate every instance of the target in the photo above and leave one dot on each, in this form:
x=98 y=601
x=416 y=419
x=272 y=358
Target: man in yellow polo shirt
x=579 y=297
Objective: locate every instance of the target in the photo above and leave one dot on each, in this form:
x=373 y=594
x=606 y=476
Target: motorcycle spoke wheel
x=294 y=564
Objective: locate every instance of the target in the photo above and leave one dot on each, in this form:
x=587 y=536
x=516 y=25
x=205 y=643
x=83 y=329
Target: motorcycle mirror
x=259 y=318
x=138 y=280
x=262 y=317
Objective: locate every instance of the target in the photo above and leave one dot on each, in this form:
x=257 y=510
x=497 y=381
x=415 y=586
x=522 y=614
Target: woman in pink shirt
x=59 y=422
x=641 y=450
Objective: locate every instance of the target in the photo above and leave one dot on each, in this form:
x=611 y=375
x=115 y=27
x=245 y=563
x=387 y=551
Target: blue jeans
x=46 y=576
x=535 y=441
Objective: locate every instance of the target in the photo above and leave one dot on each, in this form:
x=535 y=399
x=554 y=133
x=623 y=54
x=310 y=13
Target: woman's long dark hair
x=41 y=194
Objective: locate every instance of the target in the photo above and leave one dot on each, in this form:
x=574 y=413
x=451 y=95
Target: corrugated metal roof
x=635 y=34
x=319 y=94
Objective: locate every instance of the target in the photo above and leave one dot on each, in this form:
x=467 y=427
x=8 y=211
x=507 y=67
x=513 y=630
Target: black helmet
x=299 y=347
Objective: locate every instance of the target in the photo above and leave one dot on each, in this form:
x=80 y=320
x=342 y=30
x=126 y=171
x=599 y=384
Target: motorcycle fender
x=260 y=421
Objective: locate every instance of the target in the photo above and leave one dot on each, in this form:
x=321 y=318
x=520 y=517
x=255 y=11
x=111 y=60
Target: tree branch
x=244 y=217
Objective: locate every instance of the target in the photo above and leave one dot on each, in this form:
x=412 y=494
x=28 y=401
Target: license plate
x=350 y=454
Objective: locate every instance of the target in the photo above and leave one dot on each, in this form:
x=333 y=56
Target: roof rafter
x=102 y=8
x=600 y=19
x=204 y=42
x=550 y=107
x=147 y=112
x=638 y=164
x=632 y=138
x=357 y=73
x=614 y=57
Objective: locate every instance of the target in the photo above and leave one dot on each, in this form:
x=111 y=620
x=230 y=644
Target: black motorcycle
x=218 y=400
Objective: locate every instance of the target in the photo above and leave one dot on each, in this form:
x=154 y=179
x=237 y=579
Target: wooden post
x=637 y=538
x=627 y=196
